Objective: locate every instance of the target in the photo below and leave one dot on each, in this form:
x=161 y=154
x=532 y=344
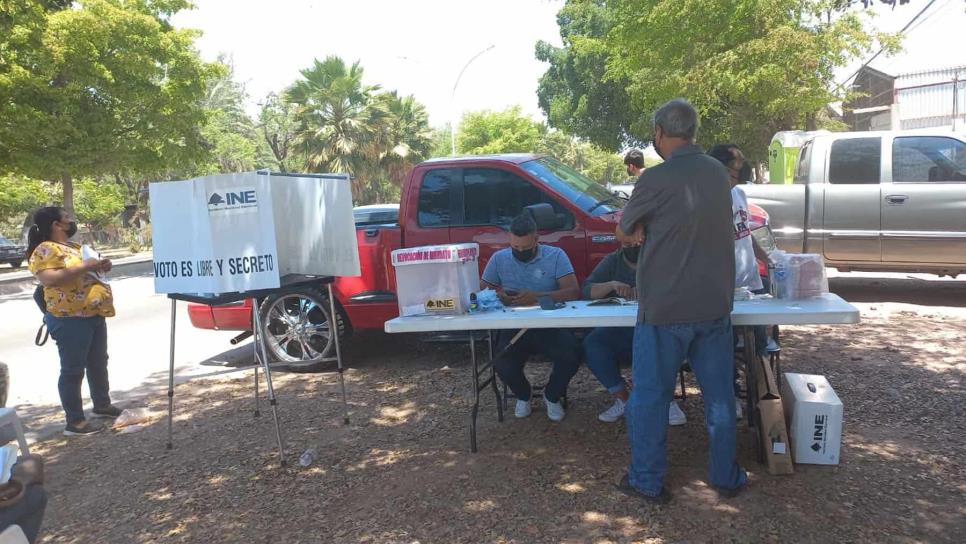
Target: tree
x=507 y=131
x=98 y=203
x=20 y=196
x=344 y=125
x=407 y=140
x=751 y=67
x=102 y=87
x=510 y=131
x=575 y=92
x=339 y=122
x=229 y=133
x=276 y=127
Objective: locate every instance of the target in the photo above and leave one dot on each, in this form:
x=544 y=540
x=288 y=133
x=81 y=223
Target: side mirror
x=544 y=216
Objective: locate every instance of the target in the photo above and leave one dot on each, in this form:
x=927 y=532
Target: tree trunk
x=810 y=122
x=68 y=185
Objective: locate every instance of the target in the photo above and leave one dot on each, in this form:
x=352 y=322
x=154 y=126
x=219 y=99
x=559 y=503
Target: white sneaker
x=554 y=410
x=522 y=409
x=612 y=414
x=739 y=413
x=675 y=416
x=773 y=345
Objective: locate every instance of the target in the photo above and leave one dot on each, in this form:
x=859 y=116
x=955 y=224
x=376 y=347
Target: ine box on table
x=814 y=414
x=436 y=279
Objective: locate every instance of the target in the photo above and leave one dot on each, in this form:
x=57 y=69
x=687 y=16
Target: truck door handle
x=896 y=199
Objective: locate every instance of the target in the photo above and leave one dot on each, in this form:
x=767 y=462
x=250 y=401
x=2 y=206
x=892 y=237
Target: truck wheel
x=16 y=264
x=296 y=326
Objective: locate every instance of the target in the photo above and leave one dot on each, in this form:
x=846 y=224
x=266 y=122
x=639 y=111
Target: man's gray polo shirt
x=686 y=272
x=539 y=274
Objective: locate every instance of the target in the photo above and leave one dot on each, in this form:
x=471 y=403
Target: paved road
x=138 y=345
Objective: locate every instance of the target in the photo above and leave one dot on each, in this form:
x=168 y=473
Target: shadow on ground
x=401 y=472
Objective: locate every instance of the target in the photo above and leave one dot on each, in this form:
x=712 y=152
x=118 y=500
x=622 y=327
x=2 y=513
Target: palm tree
x=407 y=140
x=339 y=121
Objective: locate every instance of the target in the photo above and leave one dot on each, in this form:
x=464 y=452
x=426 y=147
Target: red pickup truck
x=447 y=200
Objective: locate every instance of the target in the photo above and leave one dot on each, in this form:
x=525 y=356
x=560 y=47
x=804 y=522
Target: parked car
x=376 y=214
x=876 y=201
x=11 y=253
x=447 y=200
x=622 y=190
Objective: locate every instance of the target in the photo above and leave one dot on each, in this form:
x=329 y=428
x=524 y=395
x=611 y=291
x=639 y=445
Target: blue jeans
x=603 y=348
x=28 y=512
x=658 y=353
x=82 y=344
x=558 y=345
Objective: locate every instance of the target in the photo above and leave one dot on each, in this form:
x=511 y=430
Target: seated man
x=616 y=275
x=521 y=274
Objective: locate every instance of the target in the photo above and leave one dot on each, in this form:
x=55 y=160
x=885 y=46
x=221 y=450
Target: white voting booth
x=226 y=238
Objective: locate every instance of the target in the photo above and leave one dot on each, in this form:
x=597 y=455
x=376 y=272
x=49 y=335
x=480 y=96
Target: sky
x=419 y=47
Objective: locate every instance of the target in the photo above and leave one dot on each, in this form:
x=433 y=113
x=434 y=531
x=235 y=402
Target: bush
x=137 y=240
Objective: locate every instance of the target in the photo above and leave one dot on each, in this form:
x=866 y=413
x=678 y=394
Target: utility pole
x=452 y=101
x=955 y=99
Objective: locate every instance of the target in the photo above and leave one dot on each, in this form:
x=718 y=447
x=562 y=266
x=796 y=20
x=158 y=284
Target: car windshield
x=5 y=242
x=586 y=194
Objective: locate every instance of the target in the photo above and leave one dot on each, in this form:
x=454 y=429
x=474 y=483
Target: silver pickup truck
x=875 y=201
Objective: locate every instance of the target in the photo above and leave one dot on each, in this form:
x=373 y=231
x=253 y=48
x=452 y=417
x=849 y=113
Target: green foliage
x=344 y=125
x=751 y=67
x=574 y=92
x=276 y=129
x=507 y=131
x=19 y=196
x=102 y=87
x=229 y=134
x=97 y=203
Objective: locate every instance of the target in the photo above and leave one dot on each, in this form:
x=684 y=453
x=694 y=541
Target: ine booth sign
x=242 y=232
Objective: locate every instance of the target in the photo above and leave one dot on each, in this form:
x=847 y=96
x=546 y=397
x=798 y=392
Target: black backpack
x=42 y=333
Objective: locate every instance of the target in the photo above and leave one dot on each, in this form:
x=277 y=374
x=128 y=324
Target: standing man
x=685 y=280
x=521 y=274
x=604 y=347
x=634 y=160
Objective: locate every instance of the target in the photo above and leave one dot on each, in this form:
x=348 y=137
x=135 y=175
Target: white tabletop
x=829 y=309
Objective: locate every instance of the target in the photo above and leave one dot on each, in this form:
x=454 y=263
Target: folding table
x=828 y=309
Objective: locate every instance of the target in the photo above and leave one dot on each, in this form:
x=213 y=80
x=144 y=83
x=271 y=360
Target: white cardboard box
x=247 y=231
x=814 y=414
x=436 y=279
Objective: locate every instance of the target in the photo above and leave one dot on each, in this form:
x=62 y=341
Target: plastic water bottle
x=473 y=304
x=308 y=457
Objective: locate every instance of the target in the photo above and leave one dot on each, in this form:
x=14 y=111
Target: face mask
x=656 y=148
x=744 y=174
x=631 y=253
x=71 y=229
x=524 y=256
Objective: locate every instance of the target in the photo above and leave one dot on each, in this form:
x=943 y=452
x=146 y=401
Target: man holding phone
x=522 y=274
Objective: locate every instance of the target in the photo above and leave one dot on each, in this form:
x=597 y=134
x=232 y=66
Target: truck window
x=928 y=158
x=855 y=161
x=804 y=163
x=494 y=197
x=436 y=198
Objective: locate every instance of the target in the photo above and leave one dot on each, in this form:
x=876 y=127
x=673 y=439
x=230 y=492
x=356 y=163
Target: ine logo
x=237 y=198
x=820 y=433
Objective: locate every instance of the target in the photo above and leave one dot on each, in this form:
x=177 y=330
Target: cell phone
x=547 y=303
x=511 y=292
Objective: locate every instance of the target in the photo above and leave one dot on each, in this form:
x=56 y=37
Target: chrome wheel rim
x=296 y=329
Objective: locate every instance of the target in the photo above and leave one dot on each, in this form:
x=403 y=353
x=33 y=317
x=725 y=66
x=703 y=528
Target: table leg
x=263 y=354
x=753 y=417
x=750 y=376
x=476 y=394
x=492 y=379
x=174 y=314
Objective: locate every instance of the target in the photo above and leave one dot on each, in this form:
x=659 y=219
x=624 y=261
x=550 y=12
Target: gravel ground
x=401 y=471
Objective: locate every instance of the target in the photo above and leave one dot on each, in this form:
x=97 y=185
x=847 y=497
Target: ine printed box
x=814 y=414
x=436 y=279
